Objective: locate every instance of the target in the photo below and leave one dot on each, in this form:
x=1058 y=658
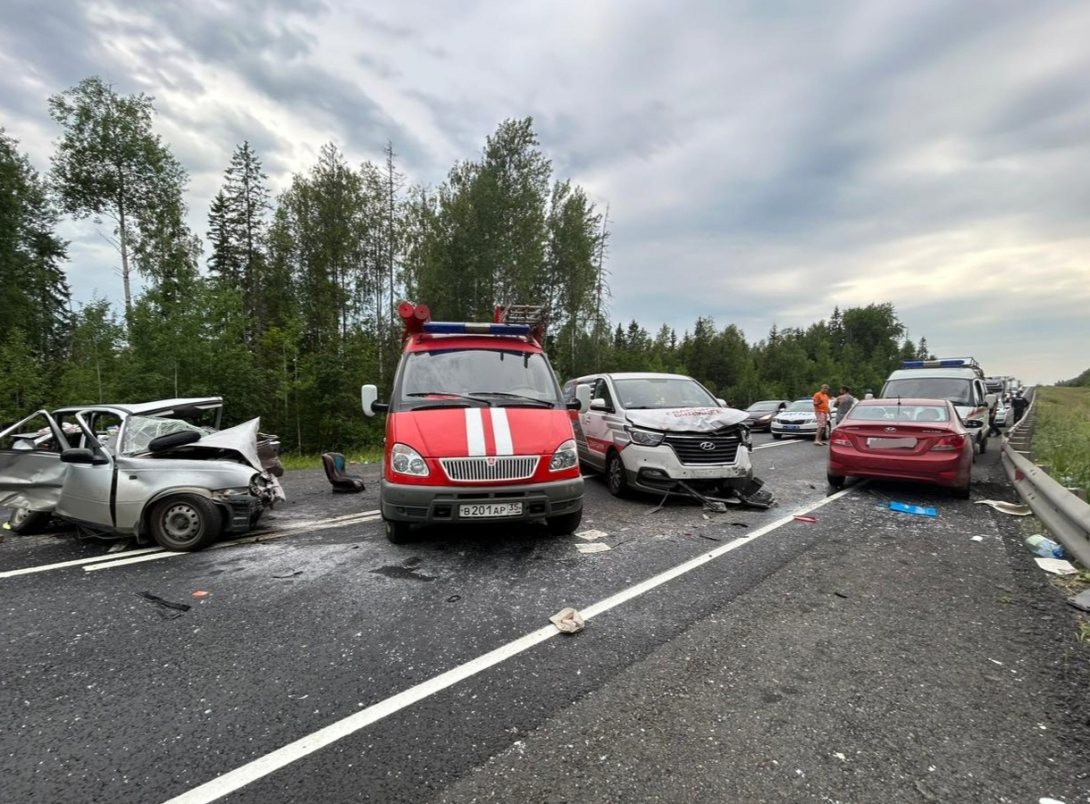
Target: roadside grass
x=297 y=460
x=1061 y=435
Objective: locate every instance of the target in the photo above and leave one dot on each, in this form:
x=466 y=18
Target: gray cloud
x=775 y=156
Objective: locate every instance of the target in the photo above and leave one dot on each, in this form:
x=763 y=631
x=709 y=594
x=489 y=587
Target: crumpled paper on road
x=595 y=547
x=590 y=535
x=1057 y=566
x=1014 y=509
x=568 y=621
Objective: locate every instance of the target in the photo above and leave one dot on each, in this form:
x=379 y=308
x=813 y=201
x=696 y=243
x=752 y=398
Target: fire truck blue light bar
x=462 y=328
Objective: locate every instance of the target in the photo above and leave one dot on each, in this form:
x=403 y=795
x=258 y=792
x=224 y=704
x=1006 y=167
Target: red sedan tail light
x=949 y=443
x=840 y=440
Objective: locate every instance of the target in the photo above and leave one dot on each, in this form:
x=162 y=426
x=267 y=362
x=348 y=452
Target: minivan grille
x=693 y=449
x=504 y=467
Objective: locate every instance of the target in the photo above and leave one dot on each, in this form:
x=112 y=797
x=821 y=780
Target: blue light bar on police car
x=944 y=363
x=470 y=328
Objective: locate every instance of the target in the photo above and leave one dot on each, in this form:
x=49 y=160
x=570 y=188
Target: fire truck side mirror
x=368 y=397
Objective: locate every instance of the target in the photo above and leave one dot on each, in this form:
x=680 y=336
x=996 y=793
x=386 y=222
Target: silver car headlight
x=645 y=438
x=565 y=457
x=407 y=461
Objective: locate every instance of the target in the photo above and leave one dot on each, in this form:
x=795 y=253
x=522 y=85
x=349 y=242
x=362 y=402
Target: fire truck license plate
x=484 y=510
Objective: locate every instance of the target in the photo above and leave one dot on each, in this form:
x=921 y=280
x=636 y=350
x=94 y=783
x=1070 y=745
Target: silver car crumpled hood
x=687 y=420
x=241 y=438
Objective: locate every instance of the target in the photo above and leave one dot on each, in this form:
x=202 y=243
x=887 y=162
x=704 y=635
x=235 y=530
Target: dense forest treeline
x=296 y=308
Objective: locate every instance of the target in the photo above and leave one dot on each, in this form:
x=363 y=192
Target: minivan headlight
x=407 y=461
x=565 y=457
x=645 y=438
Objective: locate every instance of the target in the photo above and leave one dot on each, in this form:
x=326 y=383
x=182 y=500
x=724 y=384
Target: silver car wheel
x=181 y=521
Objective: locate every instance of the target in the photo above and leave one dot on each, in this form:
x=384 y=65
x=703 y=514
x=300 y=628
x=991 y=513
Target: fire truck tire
x=565 y=524
x=398 y=532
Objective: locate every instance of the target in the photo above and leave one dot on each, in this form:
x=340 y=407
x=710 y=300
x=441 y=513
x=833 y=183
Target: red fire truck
x=476 y=427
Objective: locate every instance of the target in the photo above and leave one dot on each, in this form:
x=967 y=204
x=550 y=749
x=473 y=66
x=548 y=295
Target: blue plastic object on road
x=1043 y=546
x=917 y=510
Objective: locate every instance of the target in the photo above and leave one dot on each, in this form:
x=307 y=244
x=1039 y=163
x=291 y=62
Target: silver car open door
x=31 y=472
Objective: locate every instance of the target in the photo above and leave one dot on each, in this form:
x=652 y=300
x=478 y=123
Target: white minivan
x=959 y=379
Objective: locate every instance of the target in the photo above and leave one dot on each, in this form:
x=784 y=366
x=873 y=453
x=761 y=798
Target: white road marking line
x=264 y=536
x=285 y=755
x=78 y=561
x=123 y=557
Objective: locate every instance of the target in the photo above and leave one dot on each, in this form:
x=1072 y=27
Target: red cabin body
x=476 y=429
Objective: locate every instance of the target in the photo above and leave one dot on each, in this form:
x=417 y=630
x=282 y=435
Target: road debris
x=454 y=598
x=804 y=518
x=290 y=573
x=976 y=539
x=1043 y=546
x=597 y=547
x=1081 y=600
x=915 y=510
x=568 y=621
x=1057 y=566
x=1005 y=507
x=591 y=535
x=176 y=609
x=200 y=593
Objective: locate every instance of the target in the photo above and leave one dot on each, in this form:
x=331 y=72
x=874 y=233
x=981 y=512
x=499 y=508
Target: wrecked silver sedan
x=162 y=470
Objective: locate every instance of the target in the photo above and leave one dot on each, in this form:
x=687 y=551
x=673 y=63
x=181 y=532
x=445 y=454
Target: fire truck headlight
x=407 y=461
x=565 y=457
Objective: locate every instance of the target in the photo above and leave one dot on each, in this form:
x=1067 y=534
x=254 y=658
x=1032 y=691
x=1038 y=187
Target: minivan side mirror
x=721 y=402
x=598 y=403
x=582 y=396
x=368 y=398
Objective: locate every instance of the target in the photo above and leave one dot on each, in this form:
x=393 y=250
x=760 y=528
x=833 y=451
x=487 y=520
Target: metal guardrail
x=1065 y=515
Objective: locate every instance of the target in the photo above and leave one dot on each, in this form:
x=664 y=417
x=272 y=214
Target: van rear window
x=958 y=391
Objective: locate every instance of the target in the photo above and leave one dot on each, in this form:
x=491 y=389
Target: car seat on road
x=334 y=465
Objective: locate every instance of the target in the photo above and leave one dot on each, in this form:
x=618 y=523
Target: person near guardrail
x=1019 y=404
x=821 y=413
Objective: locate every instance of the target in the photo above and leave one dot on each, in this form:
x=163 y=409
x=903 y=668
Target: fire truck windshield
x=460 y=377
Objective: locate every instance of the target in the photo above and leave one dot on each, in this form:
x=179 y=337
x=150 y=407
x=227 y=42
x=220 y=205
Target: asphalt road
x=864 y=656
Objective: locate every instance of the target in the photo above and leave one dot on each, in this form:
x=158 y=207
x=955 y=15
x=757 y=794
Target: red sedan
x=921 y=440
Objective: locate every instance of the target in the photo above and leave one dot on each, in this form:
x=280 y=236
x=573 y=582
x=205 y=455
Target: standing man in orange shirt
x=821 y=411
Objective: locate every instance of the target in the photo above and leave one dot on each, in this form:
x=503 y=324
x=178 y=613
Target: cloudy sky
x=763 y=162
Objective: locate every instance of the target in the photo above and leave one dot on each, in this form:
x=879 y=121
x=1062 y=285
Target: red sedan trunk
x=881 y=443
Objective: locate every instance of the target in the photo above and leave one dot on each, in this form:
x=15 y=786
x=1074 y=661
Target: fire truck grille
x=504 y=467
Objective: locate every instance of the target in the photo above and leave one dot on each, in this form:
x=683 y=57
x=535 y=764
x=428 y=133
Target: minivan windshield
x=663 y=393
x=957 y=390
x=477 y=378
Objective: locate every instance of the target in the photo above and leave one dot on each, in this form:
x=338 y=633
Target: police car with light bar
x=476 y=427
x=959 y=379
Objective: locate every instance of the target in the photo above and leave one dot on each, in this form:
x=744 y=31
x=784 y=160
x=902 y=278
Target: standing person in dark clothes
x=1019 y=403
